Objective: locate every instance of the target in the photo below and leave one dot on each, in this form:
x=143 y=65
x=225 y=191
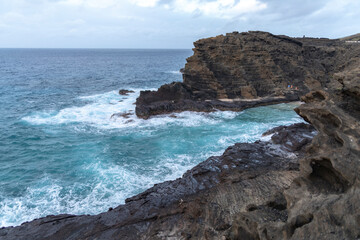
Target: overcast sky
x=166 y=23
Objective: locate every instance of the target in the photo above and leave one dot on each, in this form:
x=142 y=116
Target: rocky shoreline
x=303 y=184
x=241 y=70
x=204 y=202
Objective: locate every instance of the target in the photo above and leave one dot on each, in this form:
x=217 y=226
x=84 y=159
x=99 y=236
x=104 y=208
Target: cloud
x=90 y=3
x=221 y=9
x=225 y=9
x=166 y=23
x=145 y=3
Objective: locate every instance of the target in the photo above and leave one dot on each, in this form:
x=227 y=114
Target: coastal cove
x=63 y=150
x=210 y=156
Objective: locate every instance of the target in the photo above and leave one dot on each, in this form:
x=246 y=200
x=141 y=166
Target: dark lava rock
x=204 y=203
x=295 y=136
x=125 y=92
x=122 y=114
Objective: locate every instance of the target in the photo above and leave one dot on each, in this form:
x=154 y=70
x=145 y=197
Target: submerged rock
x=122 y=114
x=125 y=92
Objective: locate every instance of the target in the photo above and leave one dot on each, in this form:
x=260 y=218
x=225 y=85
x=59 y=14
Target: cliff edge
x=241 y=70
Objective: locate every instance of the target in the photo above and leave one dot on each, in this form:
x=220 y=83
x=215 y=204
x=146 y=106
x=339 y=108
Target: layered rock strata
x=241 y=70
x=203 y=204
x=324 y=202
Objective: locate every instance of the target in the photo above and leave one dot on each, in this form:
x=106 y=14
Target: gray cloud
x=166 y=24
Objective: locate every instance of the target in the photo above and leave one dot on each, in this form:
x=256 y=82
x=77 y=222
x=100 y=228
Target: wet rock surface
x=204 y=203
x=167 y=100
x=125 y=92
x=240 y=70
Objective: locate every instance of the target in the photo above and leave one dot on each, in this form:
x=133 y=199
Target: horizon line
x=103 y=48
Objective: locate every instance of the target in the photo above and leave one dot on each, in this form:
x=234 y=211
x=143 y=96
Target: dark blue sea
x=61 y=151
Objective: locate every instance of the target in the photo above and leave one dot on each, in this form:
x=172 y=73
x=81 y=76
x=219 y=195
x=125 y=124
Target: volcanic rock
x=241 y=70
x=125 y=92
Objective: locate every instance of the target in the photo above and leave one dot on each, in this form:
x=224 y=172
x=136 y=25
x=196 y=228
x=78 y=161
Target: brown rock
x=248 y=92
x=248 y=65
x=125 y=92
x=323 y=202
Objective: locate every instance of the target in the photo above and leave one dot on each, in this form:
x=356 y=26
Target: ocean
x=63 y=151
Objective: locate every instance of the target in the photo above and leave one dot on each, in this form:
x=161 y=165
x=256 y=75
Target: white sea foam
x=174 y=72
x=225 y=114
x=104 y=111
x=179 y=164
x=112 y=185
x=266 y=138
x=97 y=112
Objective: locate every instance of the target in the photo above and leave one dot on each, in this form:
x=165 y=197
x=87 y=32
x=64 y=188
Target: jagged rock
x=255 y=66
x=204 y=203
x=323 y=202
x=122 y=114
x=295 y=136
x=125 y=92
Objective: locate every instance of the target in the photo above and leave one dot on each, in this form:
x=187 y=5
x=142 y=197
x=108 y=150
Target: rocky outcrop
x=167 y=100
x=255 y=190
x=323 y=203
x=241 y=70
x=203 y=204
x=125 y=92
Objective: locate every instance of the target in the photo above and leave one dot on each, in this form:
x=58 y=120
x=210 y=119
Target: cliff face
x=323 y=203
x=241 y=70
x=257 y=64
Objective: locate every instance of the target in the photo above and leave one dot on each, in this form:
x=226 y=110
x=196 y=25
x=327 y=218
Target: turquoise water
x=61 y=151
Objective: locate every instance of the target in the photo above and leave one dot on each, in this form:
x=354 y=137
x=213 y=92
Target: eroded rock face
x=203 y=204
x=323 y=203
x=256 y=66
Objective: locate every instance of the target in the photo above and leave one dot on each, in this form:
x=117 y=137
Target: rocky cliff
x=241 y=70
x=287 y=188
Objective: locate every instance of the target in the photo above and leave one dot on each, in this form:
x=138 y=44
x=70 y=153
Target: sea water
x=63 y=151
